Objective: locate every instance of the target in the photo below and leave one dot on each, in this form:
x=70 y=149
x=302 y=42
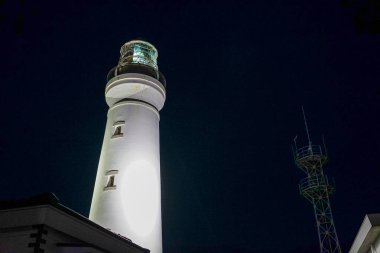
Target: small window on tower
x=111 y=174
x=117 y=132
x=118 y=129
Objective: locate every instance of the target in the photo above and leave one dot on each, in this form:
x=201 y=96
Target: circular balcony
x=137 y=68
x=310 y=158
x=316 y=186
x=312 y=150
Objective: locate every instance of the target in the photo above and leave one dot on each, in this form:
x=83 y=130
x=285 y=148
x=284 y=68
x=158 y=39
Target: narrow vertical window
x=111 y=174
x=118 y=131
x=111 y=181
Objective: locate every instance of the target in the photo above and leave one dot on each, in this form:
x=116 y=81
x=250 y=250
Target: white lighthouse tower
x=127 y=194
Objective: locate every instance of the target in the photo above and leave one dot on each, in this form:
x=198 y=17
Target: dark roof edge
x=41 y=199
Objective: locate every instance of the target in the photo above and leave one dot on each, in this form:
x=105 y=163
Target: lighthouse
x=127 y=192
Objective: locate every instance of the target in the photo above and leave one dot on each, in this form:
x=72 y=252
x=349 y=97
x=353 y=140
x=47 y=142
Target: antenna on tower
x=307 y=128
x=324 y=144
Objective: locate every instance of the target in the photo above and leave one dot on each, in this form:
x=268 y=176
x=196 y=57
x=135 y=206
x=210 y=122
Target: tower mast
x=316 y=188
x=127 y=193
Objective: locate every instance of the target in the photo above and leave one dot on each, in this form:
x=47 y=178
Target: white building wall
x=376 y=245
x=15 y=240
x=367 y=239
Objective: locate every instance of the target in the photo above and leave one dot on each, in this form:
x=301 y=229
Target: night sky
x=237 y=75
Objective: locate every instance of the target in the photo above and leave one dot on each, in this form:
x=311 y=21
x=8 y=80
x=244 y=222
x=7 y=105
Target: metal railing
x=308 y=151
x=136 y=68
x=314 y=182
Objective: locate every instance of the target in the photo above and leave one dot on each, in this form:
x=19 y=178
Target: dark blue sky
x=237 y=74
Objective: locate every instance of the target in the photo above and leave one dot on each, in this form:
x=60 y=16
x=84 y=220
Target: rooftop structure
x=138 y=56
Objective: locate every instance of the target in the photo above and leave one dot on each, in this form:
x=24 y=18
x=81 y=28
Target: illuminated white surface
x=141 y=209
x=133 y=209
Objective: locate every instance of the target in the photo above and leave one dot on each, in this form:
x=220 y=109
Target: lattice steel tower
x=316 y=188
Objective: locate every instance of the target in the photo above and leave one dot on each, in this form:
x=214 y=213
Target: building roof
x=46 y=209
x=368 y=232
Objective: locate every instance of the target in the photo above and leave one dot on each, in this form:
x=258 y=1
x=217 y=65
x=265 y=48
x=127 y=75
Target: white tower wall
x=127 y=193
